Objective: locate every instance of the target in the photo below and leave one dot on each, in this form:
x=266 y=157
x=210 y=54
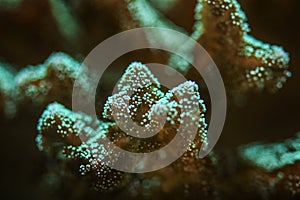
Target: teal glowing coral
x=273 y=168
x=72 y=137
x=221 y=27
x=37 y=86
x=272 y=156
x=77 y=138
x=7 y=90
x=247 y=64
x=49 y=81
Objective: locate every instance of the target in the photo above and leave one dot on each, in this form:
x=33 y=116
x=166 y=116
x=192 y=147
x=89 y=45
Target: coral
x=61 y=11
x=247 y=64
x=273 y=168
x=164 y=4
x=51 y=81
x=60 y=135
x=143 y=14
x=226 y=37
x=147 y=103
x=220 y=26
x=77 y=138
x=37 y=86
x=67 y=23
x=7 y=92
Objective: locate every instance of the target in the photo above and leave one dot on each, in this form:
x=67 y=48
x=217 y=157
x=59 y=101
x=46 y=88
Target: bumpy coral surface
x=50 y=81
x=37 y=86
x=226 y=36
x=77 y=138
x=221 y=27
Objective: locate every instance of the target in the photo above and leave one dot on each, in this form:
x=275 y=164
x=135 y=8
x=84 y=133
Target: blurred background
x=30 y=32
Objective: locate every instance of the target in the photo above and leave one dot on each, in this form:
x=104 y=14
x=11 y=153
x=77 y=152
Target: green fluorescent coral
x=221 y=28
x=76 y=137
x=245 y=54
x=272 y=156
x=67 y=23
x=164 y=5
x=36 y=86
x=147 y=16
x=7 y=92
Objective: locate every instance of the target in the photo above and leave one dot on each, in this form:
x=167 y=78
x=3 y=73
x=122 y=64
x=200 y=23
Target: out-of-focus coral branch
x=273 y=169
x=7 y=91
x=66 y=21
x=9 y=4
x=37 y=86
x=62 y=13
x=163 y=5
x=48 y=82
x=145 y=15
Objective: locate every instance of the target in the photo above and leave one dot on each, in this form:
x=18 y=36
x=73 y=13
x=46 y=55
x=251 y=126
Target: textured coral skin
x=221 y=28
x=77 y=138
x=225 y=32
x=37 y=86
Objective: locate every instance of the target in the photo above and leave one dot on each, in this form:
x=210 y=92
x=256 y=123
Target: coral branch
x=66 y=22
x=246 y=63
x=37 y=86
x=51 y=81
x=258 y=65
x=7 y=92
x=273 y=168
x=147 y=103
x=77 y=138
